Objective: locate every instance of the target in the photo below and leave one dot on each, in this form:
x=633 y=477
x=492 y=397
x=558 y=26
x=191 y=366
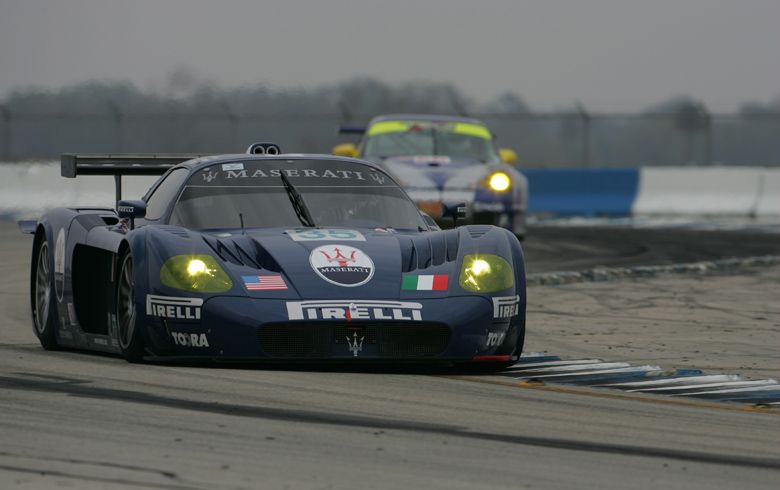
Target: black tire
x=43 y=297
x=129 y=334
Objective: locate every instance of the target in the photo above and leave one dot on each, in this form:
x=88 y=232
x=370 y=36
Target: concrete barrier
x=769 y=193
x=656 y=191
x=27 y=189
x=699 y=191
x=582 y=192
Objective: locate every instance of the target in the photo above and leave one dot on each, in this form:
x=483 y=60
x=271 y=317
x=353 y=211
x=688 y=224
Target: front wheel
x=44 y=309
x=130 y=338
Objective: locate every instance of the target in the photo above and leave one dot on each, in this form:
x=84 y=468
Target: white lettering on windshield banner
x=294 y=172
x=241 y=173
x=331 y=234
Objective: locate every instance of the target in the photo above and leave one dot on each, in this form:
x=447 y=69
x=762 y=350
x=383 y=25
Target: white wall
x=28 y=189
x=714 y=191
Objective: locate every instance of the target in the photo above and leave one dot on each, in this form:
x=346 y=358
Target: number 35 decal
x=309 y=235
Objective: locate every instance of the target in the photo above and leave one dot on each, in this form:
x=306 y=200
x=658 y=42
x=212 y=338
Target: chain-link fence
x=577 y=139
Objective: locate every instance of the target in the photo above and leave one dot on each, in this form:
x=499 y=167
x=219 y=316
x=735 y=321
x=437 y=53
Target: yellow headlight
x=499 y=181
x=197 y=273
x=196 y=267
x=479 y=267
x=486 y=273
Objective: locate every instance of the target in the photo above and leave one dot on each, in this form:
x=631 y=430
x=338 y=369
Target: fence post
x=585 y=148
x=7 y=135
x=707 y=128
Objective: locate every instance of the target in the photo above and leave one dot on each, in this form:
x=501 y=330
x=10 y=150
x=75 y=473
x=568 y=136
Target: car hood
x=370 y=264
x=437 y=172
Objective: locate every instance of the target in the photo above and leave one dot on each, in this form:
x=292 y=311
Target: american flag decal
x=264 y=283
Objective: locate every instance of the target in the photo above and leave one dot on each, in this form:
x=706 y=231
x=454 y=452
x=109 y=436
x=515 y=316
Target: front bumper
x=241 y=328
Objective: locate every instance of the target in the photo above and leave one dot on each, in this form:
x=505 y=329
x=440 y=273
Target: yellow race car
x=444 y=160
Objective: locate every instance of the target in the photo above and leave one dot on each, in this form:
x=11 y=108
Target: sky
x=609 y=55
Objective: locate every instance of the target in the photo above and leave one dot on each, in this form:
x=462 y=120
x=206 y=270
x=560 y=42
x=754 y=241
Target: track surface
x=93 y=421
x=578 y=248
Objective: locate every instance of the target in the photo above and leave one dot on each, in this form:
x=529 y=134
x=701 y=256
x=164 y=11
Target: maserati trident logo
x=339 y=257
x=342 y=265
x=378 y=178
x=355 y=345
x=209 y=176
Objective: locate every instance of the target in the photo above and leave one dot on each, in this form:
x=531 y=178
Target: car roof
x=203 y=162
x=425 y=117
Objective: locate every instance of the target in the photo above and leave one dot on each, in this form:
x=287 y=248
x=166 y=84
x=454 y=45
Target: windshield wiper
x=301 y=211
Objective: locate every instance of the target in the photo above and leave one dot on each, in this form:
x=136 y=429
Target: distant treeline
x=119 y=117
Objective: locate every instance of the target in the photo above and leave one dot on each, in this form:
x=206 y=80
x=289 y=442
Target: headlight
x=486 y=273
x=499 y=181
x=197 y=273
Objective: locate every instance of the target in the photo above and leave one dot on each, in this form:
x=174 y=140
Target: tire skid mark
x=299 y=416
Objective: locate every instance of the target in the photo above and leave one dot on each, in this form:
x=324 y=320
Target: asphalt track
x=79 y=420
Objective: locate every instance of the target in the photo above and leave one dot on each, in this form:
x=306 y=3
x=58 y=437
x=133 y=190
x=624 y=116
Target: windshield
x=333 y=193
x=387 y=139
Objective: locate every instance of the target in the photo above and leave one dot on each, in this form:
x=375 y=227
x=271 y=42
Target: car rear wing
x=73 y=165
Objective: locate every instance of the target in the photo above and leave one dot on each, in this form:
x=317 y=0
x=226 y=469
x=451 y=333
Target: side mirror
x=131 y=209
x=507 y=155
x=430 y=221
x=345 y=150
x=454 y=211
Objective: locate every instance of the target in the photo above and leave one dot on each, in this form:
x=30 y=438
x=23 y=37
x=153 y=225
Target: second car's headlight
x=486 y=273
x=196 y=273
x=499 y=181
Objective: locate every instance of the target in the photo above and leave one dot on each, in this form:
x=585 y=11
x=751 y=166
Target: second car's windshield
x=407 y=138
x=252 y=194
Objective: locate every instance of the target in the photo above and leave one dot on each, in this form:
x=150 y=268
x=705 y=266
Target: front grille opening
x=411 y=340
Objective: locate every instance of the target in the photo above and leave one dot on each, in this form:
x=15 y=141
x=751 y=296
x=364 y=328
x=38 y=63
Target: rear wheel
x=130 y=339
x=44 y=310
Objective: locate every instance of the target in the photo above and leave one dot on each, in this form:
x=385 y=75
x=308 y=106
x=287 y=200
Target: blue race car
x=268 y=256
x=446 y=159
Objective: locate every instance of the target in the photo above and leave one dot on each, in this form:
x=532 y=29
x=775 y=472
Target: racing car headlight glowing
x=499 y=181
x=195 y=273
x=486 y=273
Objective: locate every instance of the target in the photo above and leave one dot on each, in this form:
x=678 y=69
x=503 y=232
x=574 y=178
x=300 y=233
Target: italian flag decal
x=436 y=282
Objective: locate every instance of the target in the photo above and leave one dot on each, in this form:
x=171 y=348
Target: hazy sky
x=609 y=54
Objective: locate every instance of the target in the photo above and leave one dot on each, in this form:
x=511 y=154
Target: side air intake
x=428 y=249
x=242 y=250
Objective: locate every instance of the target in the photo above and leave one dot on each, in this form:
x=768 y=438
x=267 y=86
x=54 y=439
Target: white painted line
x=576 y=367
x=630 y=369
x=774 y=387
x=525 y=355
x=709 y=378
x=706 y=386
x=529 y=365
